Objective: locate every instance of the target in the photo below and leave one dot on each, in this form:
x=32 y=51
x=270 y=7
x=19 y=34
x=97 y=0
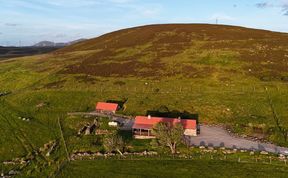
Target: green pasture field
x=169 y=168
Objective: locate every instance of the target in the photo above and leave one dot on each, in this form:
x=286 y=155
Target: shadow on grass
x=119 y=102
x=136 y=145
x=163 y=111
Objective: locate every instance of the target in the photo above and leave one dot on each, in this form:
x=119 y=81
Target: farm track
x=65 y=162
x=63 y=139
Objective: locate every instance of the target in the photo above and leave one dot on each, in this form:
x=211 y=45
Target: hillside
x=191 y=50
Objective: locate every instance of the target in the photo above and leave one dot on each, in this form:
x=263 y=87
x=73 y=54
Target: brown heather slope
x=186 y=50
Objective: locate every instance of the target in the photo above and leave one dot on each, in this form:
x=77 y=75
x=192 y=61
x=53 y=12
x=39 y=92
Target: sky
x=25 y=22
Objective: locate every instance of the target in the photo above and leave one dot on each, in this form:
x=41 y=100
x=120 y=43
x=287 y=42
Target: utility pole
x=216 y=21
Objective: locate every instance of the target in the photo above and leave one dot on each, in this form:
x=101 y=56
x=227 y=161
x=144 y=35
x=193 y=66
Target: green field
x=169 y=168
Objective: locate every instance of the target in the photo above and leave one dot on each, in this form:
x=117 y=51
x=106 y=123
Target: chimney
x=149 y=116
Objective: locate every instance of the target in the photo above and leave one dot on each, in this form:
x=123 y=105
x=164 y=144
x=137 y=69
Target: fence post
x=270 y=160
x=239 y=159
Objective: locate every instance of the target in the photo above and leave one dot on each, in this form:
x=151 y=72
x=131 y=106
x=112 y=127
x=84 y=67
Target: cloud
x=12 y=24
x=282 y=4
x=32 y=5
x=73 y=3
x=85 y=3
x=262 y=5
x=41 y=5
x=285 y=8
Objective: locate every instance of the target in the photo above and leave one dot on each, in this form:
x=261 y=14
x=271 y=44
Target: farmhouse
x=143 y=126
x=107 y=108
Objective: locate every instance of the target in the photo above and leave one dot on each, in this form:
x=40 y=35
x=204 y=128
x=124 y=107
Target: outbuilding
x=107 y=108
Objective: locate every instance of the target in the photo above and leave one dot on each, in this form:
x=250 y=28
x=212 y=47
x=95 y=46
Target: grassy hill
x=229 y=75
x=185 y=50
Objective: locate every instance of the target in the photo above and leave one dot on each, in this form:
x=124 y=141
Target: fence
x=255 y=159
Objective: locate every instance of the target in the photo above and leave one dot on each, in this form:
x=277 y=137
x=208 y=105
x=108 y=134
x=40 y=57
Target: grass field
x=170 y=168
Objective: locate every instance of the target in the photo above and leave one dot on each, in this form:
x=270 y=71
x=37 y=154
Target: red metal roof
x=106 y=106
x=146 y=122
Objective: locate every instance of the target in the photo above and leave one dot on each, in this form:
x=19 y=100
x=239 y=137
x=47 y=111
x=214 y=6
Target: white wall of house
x=190 y=132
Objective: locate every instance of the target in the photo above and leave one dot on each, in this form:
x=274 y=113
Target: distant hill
x=188 y=50
x=52 y=44
x=44 y=44
x=39 y=48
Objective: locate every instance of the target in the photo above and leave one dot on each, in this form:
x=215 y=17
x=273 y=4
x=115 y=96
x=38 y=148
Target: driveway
x=127 y=123
x=219 y=137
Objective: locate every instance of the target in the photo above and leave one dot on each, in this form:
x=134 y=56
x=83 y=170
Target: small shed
x=104 y=107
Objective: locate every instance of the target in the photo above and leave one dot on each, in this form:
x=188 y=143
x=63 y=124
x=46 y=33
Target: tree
x=187 y=142
x=113 y=142
x=168 y=135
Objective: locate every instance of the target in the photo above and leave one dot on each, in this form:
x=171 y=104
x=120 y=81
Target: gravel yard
x=219 y=137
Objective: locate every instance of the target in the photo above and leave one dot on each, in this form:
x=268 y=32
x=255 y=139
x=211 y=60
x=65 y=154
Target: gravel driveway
x=218 y=137
x=127 y=123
